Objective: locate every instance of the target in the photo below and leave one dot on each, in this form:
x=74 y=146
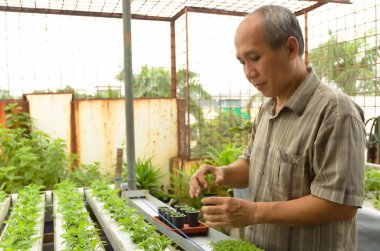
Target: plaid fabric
x=314 y=145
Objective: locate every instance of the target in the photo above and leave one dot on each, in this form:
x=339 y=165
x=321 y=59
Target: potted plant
x=192 y=215
x=162 y=212
x=178 y=219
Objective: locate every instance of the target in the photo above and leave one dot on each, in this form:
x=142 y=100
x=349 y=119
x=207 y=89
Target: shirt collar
x=298 y=101
x=303 y=93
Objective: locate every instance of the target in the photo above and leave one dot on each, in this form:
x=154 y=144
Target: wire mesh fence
x=84 y=55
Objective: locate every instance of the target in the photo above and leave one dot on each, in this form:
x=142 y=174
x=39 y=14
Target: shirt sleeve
x=339 y=160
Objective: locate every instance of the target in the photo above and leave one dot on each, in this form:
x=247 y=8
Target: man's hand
x=229 y=212
x=198 y=181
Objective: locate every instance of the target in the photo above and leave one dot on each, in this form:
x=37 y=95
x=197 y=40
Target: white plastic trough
x=39 y=228
x=4 y=208
x=119 y=239
x=58 y=226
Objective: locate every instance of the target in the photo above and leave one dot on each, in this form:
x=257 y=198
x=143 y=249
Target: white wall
x=52 y=114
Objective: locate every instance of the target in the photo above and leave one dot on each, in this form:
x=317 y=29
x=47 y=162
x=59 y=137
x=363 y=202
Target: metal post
x=129 y=116
x=187 y=97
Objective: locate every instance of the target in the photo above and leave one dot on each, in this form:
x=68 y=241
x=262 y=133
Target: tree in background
x=349 y=65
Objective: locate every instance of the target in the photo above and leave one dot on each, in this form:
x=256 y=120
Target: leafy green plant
x=372 y=180
x=33 y=159
x=225 y=156
x=179 y=191
x=3 y=195
x=220 y=157
x=29 y=157
x=21 y=230
x=372 y=186
x=141 y=232
x=17 y=119
x=147 y=176
x=80 y=233
x=233 y=245
x=83 y=175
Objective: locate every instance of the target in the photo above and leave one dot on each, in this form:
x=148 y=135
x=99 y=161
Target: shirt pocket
x=290 y=182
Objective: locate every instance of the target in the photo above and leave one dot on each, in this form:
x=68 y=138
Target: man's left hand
x=228 y=212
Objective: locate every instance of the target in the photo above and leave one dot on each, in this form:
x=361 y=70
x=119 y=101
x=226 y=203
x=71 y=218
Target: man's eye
x=254 y=59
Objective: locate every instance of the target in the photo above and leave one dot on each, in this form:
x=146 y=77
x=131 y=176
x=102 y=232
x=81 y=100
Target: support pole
x=129 y=116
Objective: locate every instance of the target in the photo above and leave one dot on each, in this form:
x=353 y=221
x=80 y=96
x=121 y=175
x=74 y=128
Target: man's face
x=267 y=69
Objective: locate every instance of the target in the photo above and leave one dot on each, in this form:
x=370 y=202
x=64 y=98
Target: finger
x=211 y=210
x=213 y=200
x=218 y=179
x=214 y=217
x=217 y=224
x=194 y=192
x=206 y=169
x=194 y=187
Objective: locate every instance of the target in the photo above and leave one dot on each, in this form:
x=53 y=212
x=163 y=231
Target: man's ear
x=293 y=47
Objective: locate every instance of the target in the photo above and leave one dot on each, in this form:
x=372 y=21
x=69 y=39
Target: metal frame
x=147 y=205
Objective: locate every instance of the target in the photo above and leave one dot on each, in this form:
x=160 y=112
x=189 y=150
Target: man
x=304 y=163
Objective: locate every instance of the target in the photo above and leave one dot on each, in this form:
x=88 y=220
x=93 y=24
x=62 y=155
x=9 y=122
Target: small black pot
x=192 y=218
x=162 y=212
x=178 y=221
x=209 y=195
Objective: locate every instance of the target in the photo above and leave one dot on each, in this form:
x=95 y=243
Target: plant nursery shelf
x=148 y=206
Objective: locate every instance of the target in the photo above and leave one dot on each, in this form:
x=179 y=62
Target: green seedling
x=129 y=219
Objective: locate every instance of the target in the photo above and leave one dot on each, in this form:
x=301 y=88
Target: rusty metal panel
x=100 y=130
x=156 y=131
x=51 y=113
x=3 y=103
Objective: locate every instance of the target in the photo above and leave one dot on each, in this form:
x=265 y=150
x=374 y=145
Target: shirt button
x=267 y=145
x=262 y=172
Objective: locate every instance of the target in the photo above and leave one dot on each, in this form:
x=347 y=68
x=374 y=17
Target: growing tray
x=200 y=229
x=4 y=208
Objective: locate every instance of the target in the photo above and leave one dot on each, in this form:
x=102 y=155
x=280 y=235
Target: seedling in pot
x=162 y=211
x=178 y=220
x=192 y=217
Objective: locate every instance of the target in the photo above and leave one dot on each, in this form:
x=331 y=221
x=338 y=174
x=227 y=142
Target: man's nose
x=250 y=73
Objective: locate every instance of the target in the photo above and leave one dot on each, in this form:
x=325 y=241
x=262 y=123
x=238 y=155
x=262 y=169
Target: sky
x=40 y=52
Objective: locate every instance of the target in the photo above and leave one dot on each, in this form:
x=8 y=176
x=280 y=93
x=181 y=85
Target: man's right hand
x=198 y=181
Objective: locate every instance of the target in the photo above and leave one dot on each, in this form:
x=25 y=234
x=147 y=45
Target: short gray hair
x=279 y=24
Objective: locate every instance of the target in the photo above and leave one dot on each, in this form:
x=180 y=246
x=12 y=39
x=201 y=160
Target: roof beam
x=78 y=13
x=208 y=11
x=329 y=1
